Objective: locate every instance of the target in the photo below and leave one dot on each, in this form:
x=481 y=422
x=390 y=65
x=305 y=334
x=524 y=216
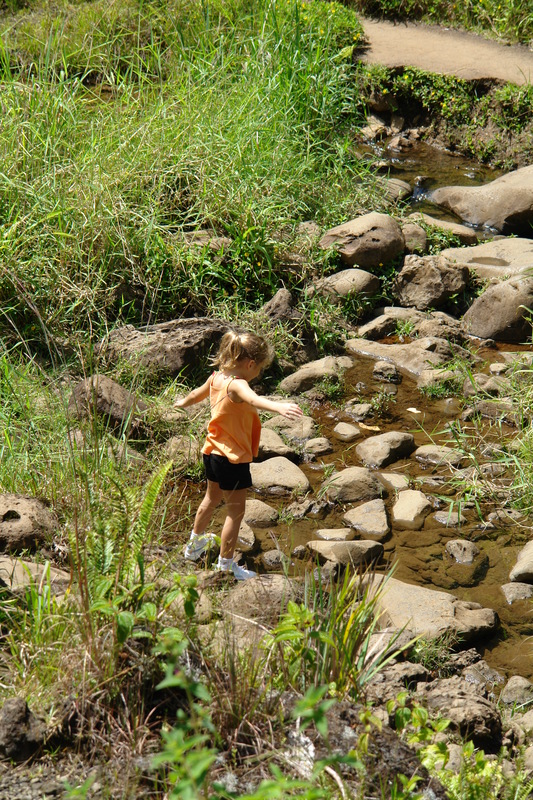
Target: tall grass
x=125 y=126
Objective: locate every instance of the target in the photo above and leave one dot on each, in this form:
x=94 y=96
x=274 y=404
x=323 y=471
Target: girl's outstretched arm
x=247 y=395
x=196 y=396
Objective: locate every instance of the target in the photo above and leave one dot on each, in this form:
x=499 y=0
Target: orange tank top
x=234 y=429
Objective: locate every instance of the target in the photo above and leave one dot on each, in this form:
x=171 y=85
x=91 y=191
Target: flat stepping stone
x=279 y=475
x=352 y=485
x=319 y=446
x=385 y=448
x=330 y=367
x=298 y=430
x=346 y=432
x=357 y=554
x=410 y=510
x=369 y=519
x=394 y=481
x=336 y=534
x=438 y=454
x=271 y=444
x=513 y=592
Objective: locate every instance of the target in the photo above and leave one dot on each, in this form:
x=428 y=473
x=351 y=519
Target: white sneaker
x=239 y=573
x=197 y=545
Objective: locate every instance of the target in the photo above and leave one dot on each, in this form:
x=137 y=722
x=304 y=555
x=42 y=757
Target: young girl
x=232 y=440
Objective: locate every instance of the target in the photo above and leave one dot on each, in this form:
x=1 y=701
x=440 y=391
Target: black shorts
x=228 y=476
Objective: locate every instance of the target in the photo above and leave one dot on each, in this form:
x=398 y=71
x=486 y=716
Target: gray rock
x=385 y=371
x=335 y=534
x=501 y=258
x=274 y=559
x=295 y=429
x=517 y=691
x=271 y=444
x=319 y=446
x=352 y=485
x=385 y=448
x=450 y=519
x=522 y=572
x=346 y=432
x=390 y=319
x=428 y=281
x=358 y=411
x=22 y=734
x=415 y=238
x=25 y=523
x=183 y=450
x=165 y=349
x=394 y=481
x=369 y=519
x=360 y=553
x=367 y=241
x=514 y=592
x=505 y=204
x=462 y=232
x=410 y=510
x=246 y=540
x=412 y=358
x=279 y=474
x=18 y=574
x=103 y=397
x=330 y=367
x=281 y=307
x=462 y=551
x=347 y=282
x=501 y=312
x=436 y=455
x=258 y=514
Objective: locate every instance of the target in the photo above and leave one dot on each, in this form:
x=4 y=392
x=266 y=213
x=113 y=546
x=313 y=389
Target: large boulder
x=505 y=204
x=393 y=320
x=428 y=281
x=102 y=396
x=429 y=613
x=385 y=448
x=413 y=358
x=501 y=258
x=367 y=241
x=279 y=475
x=25 y=523
x=330 y=367
x=352 y=485
x=502 y=312
x=165 y=349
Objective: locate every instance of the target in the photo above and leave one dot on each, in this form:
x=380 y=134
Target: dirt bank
x=446 y=51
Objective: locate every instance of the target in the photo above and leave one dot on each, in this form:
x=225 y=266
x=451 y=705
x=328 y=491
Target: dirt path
x=442 y=50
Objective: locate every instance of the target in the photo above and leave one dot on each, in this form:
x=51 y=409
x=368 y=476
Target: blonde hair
x=236 y=346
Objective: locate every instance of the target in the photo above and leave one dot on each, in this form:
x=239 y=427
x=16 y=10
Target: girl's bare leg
x=235 y=503
x=206 y=509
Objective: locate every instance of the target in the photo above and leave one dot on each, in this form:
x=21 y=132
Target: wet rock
x=330 y=367
x=501 y=258
x=313 y=509
x=428 y=282
x=394 y=481
x=352 y=485
x=348 y=282
x=450 y=519
x=369 y=519
x=479 y=383
x=335 y=534
x=514 y=592
x=393 y=320
x=358 y=411
x=246 y=540
x=522 y=571
x=517 y=691
x=472 y=716
x=102 y=397
x=501 y=312
x=375 y=128
x=22 y=734
x=367 y=241
x=346 y=432
x=412 y=358
x=271 y=444
x=465 y=234
x=279 y=474
x=258 y=514
x=434 y=455
x=410 y=510
x=385 y=448
x=360 y=553
x=295 y=429
x=505 y=204
x=395 y=189
x=274 y=559
x=319 y=446
x=25 y=523
x=165 y=349
x=415 y=238
x=384 y=371
x=430 y=613
x=463 y=551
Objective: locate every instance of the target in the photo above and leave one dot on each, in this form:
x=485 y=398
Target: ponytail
x=237 y=346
